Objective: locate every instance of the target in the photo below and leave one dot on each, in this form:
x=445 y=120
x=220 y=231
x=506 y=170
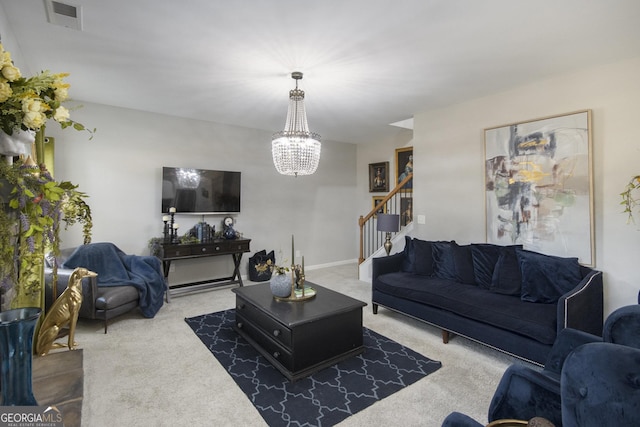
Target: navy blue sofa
x=505 y=297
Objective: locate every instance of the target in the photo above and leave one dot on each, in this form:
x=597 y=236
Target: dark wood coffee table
x=302 y=337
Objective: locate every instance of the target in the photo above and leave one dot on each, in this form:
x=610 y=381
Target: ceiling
x=366 y=63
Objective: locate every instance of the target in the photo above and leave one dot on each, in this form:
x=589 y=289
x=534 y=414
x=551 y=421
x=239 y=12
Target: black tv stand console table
x=177 y=252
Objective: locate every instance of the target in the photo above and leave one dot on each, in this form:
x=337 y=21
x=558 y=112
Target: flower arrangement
x=628 y=200
x=27 y=103
x=276 y=268
x=32 y=203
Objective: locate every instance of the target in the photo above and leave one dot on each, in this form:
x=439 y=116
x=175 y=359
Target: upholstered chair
x=600 y=386
x=103 y=303
x=524 y=393
x=121 y=294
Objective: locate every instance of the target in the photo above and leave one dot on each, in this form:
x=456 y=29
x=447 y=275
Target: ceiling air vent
x=64 y=14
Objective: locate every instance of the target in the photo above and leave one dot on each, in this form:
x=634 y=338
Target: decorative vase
x=16 y=349
x=229 y=233
x=280 y=285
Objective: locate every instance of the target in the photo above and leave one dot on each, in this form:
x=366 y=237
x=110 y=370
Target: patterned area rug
x=324 y=398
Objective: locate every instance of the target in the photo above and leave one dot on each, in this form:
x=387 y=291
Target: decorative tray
x=309 y=293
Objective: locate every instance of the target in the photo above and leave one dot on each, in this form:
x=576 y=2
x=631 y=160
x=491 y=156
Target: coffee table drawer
x=271 y=327
x=265 y=342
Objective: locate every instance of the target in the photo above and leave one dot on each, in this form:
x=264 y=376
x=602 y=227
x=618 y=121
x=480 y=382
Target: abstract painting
x=539 y=185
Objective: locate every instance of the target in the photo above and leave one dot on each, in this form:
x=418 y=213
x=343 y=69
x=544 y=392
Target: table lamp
x=390 y=223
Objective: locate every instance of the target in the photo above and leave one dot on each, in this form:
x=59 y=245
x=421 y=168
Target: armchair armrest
x=568 y=340
x=582 y=307
x=524 y=393
x=623 y=326
x=386 y=264
x=89 y=290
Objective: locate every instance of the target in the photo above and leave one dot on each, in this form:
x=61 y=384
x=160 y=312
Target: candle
x=165 y=218
x=176 y=226
x=172 y=210
x=292 y=252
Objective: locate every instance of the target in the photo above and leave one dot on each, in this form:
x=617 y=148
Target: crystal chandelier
x=295 y=150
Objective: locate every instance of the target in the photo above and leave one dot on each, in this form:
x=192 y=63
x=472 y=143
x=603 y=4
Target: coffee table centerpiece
x=295 y=289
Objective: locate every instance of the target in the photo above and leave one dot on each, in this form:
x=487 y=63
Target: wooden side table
x=176 y=252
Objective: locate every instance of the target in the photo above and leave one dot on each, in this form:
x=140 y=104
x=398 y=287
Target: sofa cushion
x=507 y=278
x=453 y=262
x=546 y=278
x=110 y=297
x=485 y=257
x=409 y=255
x=423 y=257
x=537 y=321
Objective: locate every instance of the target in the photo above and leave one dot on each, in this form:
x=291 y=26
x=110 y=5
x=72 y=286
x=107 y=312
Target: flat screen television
x=200 y=191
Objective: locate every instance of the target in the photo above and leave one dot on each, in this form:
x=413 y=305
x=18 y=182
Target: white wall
x=121 y=171
x=449 y=176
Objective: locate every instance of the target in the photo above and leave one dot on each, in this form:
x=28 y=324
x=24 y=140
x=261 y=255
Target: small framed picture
x=404 y=165
x=379 y=177
x=406 y=210
x=376 y=201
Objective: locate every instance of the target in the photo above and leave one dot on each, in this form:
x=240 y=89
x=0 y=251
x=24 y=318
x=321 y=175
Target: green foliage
x=629 y=201
x=32 y=205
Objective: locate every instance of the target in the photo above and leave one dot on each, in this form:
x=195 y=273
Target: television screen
x=200 y=191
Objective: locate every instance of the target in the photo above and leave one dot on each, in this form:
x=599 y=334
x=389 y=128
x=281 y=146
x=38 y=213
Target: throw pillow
x=507 y=278
x=546 y=278
x=423 y=262
x=464 y=264
x=444 y=265
x=409 y=255
x=453 y=262
x=485 y=257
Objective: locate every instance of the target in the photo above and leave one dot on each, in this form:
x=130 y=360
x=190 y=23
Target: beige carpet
x=156 y=372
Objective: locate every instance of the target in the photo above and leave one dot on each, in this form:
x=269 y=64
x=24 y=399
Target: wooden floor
x=58 y=380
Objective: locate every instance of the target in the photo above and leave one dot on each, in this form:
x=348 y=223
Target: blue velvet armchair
x=600 y=386
x=524 y=393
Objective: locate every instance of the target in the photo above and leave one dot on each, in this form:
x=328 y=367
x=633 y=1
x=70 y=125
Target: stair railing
x=370 y=238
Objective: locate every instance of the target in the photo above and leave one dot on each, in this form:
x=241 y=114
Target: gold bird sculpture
x=63 y=312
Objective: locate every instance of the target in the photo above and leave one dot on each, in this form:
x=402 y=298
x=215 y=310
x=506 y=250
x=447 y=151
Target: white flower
x=61 y=114
x=61 y=93
x=5 y=91
x=5 y=58
x=32 y=105
x=11 y=73
x=34 y=120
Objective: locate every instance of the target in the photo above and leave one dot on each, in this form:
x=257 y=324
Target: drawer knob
x=217 y=248
x=240 y=325
x=276 y=332
x=276 y=354
x=204 y=249
x=241 y=306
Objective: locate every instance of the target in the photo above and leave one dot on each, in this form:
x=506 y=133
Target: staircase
x=398 y=201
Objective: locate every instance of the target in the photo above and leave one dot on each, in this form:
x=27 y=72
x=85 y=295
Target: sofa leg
x=374 y=306
x=445 y=336
x=105 y=326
